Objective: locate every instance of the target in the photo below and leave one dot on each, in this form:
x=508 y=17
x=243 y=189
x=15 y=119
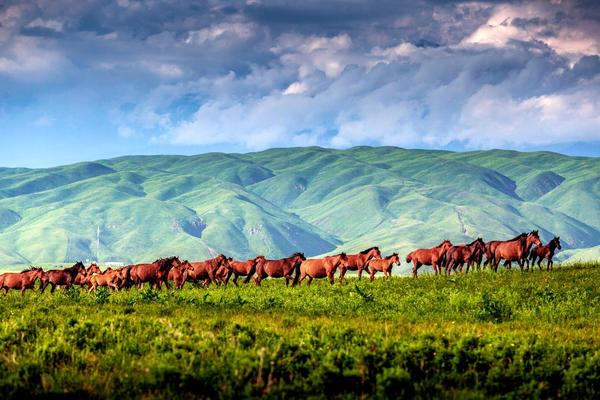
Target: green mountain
x=278 y=201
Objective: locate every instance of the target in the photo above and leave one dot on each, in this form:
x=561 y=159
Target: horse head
x=534 y=237
x=394 y=258
x=556 y=241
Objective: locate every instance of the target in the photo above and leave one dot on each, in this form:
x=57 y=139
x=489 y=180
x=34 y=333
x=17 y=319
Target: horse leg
x=416 y=266
x=331 y=277
x=235 y=278
x=372 y=274
x=310 y=279
x=301 y=278
x=343 y=274
x=52 y=287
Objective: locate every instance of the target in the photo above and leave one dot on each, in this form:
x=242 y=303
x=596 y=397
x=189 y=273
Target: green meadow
x=478 y=335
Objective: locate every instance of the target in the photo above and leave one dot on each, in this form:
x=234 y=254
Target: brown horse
x=62 y=277
x=515 y=249
x=20 y=280
x=383 y=265
x=457 y=256
x=155 y=273
x=431 y=257
x=111 y=278
x=179 y=273
x=82 y=279
x=359 y=262
x=208 y=269
x=282 y=268
x=545 y=251
x=243 y=268
x=315 y=268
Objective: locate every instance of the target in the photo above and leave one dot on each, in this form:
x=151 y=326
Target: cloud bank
x=258 y=74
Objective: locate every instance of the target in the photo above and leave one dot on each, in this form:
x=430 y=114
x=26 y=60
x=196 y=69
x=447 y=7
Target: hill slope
x=278 y=201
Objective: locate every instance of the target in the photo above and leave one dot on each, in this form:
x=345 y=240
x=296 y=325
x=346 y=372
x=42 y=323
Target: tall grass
x=479 y=335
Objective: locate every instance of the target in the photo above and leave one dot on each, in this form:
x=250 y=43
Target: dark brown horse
x=315 y=268
x=282 y=268
x=515 y=249
x=383 y=265
x=431 y=257
x=208 y=269
x=457 y=256
x=62 y=277
x=359 y=262
x=545 y=251
x=20 y=280
x=155 y=273
x=243 y=268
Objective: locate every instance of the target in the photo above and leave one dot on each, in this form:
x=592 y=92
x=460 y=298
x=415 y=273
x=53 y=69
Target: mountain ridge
x=280 y=200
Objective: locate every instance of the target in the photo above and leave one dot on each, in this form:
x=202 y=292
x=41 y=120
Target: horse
x=515 y=249
x=179 y=273
x=282 y=268
x=20 y=280
x=155 y=273
x=383 y=265
x=359 y=262
x=315 y=268
x=111 y=278
x=457 y=256
x=545 y=251
x=208 y=269
x=243 y=268
x=431 y=257
x=62 y=277
x=82 y=279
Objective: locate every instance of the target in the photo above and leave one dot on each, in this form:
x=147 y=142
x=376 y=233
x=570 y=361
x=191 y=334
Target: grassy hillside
x=481 y=335
x=278 y=201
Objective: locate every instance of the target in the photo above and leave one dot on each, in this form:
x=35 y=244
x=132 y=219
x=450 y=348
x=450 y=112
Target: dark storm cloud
x=264 y=73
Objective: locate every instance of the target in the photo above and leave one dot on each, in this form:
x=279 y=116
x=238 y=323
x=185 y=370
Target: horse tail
x=409 y=258
x=296 y=273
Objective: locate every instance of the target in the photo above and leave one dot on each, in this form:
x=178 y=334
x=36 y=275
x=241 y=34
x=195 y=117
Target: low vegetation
x=476 y=335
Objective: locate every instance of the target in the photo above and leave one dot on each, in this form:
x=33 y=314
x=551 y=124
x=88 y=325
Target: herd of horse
x=445 y=257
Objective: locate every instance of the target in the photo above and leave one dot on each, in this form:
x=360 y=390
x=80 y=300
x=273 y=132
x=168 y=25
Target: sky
x=85 y=80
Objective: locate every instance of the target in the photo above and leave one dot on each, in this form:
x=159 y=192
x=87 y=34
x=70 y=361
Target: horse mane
x=297 y=254
x=391 y=255
x=441 y=244
x=522 y=235
x=369 y=249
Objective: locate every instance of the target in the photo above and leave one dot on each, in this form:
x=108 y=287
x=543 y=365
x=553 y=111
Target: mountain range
x=309 y=199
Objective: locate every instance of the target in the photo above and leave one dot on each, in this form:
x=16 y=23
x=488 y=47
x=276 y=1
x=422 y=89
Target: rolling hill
x=278 y=201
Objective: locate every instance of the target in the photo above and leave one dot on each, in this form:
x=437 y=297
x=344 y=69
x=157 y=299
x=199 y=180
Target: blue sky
x=87 y=80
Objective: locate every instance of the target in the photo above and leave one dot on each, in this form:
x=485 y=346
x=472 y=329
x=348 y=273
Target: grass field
x=480 y=335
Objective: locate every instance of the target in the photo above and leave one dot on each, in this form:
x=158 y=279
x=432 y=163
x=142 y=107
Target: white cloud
x=296 y=88
x=238 y=31
x=50 y=24
x=532 y=22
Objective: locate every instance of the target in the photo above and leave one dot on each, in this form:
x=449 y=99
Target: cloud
x=340 y=73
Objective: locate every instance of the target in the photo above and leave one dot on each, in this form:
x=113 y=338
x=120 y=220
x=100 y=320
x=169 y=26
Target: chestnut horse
x=208 y=269
x=431 y=257
x=282 y=268
x=515 y=249
x=315 y=268
x=359 y=262
x=62 y=277
x=111 y=278
x=179 y=273
x=155 y=273
x=243 y=268
x=545 y=251
x=83 y=279
x=457 y=256
x=20 y=280
x=383 y=265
